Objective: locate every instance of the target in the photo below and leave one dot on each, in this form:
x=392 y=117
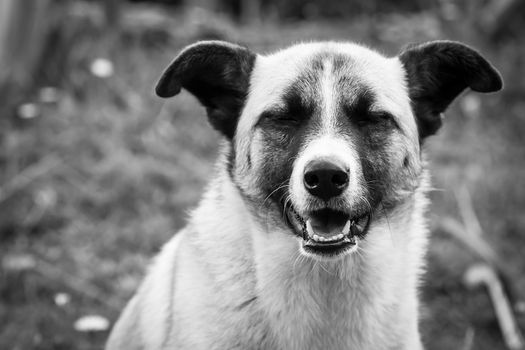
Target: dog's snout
x=325 y=179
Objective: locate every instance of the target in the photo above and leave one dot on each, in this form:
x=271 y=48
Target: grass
x=94 y=186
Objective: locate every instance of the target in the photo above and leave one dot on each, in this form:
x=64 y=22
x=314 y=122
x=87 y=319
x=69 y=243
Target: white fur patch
x=328 y=96
x=157 y=296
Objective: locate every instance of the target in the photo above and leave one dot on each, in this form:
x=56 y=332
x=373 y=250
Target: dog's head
x=325 y=137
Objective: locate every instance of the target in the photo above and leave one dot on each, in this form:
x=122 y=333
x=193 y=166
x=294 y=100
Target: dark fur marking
x=371 y=136
x=230 y=158
x=285 y=129
x=359 y=108
x=246 y=303
x=369 y=130
x=218 y=74
x=437 y=72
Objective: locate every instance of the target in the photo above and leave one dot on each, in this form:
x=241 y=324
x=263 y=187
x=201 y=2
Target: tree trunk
x=22 y=38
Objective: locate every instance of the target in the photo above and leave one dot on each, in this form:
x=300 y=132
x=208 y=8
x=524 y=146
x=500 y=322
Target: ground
x=95 y=184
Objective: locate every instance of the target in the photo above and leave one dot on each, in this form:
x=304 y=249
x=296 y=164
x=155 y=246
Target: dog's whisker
x=297 y=259
x=360 y=252
x=435 y=189
x=287 y=202
x=388 y=224
x=280 y=187
x=367 y=203
x=315 y=266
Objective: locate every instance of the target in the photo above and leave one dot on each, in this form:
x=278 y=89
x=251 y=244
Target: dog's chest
x=322 y=311
x=313 y=322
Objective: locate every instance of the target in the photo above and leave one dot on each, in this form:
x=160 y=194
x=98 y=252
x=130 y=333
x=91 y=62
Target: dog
x=311 y=234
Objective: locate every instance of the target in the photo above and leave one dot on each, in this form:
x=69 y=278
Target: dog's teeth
x=310 y=229
x=316 y=237
x=346 y=229
x=339 y=236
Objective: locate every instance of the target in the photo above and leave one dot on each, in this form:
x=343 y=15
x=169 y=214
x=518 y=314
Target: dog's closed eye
x=282 y=118
x=371 y=118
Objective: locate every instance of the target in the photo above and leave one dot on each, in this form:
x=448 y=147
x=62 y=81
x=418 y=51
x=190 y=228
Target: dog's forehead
x=304 y=67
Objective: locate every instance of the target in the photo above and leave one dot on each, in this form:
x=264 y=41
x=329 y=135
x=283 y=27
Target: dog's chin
x=327 y=233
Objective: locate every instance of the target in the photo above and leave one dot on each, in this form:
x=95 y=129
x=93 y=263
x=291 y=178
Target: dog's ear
x=437 y=72
x=218 y=74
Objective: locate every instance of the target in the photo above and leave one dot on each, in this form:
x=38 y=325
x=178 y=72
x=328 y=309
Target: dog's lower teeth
x=318 y=238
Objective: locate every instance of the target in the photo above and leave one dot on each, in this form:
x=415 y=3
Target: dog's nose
x=325 y=179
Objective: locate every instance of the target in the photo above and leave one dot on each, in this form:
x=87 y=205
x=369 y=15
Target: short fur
x=239 y=276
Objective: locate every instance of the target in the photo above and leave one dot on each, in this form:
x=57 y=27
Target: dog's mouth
x=328 y=232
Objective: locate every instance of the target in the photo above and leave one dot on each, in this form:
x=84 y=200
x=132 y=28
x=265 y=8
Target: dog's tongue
x=328 y=225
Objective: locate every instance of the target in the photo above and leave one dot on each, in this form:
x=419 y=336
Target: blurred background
x=96 y=173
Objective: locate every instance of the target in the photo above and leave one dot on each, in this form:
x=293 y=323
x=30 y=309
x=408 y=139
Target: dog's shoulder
x=122 y=336
x=151 y=307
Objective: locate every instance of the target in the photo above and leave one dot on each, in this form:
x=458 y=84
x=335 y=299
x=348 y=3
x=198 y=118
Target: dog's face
x=329 y=132
x=325 y=137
